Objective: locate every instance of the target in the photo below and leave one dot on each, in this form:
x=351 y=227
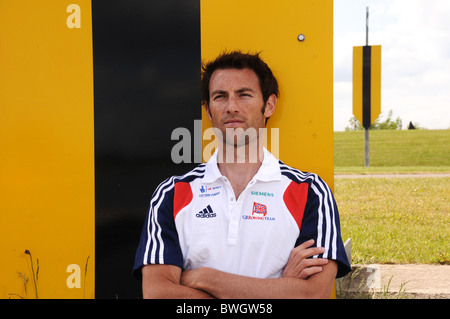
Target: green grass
x=405 y=220
x=349 y=170
x=393 y=151
x=393 y=220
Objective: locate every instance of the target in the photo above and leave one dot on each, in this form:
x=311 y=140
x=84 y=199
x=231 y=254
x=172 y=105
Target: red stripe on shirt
x=182 y=197
x=295 y=198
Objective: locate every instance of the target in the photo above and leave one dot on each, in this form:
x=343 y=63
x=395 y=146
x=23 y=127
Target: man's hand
x=299 y=266
x=297 y=280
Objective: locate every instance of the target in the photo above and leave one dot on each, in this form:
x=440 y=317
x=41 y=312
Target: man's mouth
x=232 y=122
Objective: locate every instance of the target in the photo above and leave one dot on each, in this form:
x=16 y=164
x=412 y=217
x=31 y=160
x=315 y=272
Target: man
x=241 y=226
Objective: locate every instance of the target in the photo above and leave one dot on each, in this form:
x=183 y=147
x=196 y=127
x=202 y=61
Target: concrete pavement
x=396 y=281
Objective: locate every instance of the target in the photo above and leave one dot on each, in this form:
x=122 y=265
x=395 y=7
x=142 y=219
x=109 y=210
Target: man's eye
x=217 y=97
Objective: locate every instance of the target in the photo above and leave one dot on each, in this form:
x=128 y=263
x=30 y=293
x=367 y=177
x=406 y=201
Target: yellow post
x=296 y=41
x=375 y=103
x=304 y=69
x=357 y=83
x=47 y=211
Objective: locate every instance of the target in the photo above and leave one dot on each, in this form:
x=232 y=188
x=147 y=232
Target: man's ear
x=206 y=106
x=270 y=106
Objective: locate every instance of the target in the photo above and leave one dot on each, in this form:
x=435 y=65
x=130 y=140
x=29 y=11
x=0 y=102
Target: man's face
x=236 y=101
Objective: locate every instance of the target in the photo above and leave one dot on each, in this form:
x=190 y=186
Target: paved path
x=404 y=281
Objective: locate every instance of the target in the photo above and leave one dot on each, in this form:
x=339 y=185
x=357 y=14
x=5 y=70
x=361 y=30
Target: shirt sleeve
x=321 y=223
x=159 y=243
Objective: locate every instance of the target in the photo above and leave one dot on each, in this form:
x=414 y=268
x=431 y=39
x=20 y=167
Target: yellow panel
x=304 y=70
x=46 y=150
x=357 y=83
x=375 y=82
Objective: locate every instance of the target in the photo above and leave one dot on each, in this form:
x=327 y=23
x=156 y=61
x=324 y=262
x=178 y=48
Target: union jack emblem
x=259 y=209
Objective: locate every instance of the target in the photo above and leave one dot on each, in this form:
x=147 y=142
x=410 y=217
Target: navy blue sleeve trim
x=159 y=242
x=321 y=219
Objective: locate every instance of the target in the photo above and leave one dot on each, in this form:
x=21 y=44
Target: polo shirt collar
x=269 y=170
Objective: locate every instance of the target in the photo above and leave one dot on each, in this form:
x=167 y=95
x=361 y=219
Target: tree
x=388 y=124
x=354 y=125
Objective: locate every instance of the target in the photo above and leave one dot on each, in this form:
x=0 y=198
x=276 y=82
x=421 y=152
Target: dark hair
x=239 y=60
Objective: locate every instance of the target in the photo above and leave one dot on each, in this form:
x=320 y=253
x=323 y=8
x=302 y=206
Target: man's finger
x=305 y=245
x=308 y=272
x=300 y=252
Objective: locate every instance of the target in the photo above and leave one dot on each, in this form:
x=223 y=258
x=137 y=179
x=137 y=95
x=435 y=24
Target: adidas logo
x=206 y=213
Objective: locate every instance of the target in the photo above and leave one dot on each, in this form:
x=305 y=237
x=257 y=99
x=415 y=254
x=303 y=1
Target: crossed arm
x=302 y=278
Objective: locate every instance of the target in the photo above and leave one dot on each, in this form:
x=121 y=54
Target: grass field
x=394 y=220
x=393 y=151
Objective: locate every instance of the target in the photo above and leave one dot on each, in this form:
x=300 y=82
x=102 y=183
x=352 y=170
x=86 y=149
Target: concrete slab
x=396 y=281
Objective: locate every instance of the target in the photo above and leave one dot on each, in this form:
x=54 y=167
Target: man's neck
x=240 y=166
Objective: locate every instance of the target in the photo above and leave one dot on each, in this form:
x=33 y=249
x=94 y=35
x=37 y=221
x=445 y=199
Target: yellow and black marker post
x=75 y=179
x=367 y=86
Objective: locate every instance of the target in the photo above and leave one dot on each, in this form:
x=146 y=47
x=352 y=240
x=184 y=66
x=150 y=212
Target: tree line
x=379 y=124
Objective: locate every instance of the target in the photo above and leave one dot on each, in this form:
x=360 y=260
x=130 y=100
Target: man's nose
x=232 y=106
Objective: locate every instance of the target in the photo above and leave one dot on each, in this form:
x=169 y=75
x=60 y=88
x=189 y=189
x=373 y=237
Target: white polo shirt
x=195 y=221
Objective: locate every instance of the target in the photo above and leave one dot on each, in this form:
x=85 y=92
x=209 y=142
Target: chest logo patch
x=259 y=212
x=206 y=191
x=206 y=213
x=259 y=209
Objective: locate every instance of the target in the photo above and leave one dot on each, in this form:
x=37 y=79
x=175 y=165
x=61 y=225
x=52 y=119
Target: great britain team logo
x=259 y=209
x=259 y=212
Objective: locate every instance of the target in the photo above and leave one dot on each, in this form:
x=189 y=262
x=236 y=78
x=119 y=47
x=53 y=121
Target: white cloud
x=415 y=57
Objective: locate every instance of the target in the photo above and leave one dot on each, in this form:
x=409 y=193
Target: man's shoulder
x=197 y=173
x=299 y=177
x=169 y=183
x=296 y=175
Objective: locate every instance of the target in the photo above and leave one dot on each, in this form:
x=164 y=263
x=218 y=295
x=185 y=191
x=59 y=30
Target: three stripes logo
x=206 y=213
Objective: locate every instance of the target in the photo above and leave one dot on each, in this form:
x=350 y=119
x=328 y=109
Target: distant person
x=241 y=226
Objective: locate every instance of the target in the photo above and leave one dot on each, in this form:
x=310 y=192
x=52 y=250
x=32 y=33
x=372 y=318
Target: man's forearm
x=225 y=285
x=229 y=286
x=168 y=290
x=163 y=282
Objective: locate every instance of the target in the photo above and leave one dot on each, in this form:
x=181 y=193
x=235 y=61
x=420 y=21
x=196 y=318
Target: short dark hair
x=238 y=60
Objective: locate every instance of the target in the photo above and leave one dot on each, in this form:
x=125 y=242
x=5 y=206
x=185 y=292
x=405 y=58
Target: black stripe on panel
x=367 y=55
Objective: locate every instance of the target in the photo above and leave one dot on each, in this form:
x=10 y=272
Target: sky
x=415 y=71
